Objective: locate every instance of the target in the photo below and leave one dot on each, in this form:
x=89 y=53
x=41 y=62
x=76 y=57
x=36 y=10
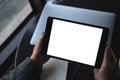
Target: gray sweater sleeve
x=27 y=70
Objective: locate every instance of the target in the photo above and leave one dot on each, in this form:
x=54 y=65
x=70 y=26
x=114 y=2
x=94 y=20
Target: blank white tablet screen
x=75 y=42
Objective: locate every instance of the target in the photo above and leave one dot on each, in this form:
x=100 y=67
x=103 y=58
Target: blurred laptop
x=94 y=17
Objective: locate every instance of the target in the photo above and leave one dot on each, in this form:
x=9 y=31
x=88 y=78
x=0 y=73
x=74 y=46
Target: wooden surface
x=12 y=13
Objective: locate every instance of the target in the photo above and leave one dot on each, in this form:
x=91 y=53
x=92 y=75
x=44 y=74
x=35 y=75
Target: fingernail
x=107 y=48
x=108 y=51
x=43 y=33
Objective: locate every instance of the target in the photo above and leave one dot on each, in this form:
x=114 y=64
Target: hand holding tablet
x=78 y=42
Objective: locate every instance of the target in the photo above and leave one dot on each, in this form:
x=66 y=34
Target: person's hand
x=36 y=55
x=108 y=65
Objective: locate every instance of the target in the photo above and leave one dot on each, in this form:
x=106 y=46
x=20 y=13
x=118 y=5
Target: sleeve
x=27 y=70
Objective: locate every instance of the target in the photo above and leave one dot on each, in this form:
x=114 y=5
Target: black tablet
x=73 y=41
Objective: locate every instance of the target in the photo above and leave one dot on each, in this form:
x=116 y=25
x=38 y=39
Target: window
x=12 y=13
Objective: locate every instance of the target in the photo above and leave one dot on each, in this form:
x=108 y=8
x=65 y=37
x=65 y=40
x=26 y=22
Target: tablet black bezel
x=102 y=45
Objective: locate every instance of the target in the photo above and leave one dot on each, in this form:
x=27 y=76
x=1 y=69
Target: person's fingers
x=109 y=60
x=96 y=71
x=38 y=46
x=105 y=57
x=40 y=40
x=36 y=55
x=113 y=59
x=108 y=65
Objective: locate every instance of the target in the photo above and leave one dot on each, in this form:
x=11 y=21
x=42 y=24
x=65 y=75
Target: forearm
x=27 y=70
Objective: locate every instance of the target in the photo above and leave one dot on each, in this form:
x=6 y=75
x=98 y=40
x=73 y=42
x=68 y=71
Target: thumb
x=109 y=60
